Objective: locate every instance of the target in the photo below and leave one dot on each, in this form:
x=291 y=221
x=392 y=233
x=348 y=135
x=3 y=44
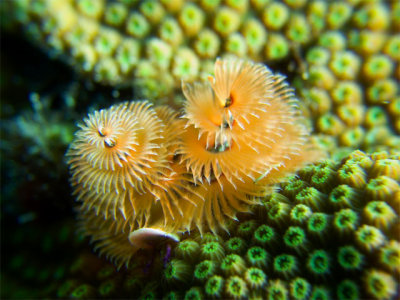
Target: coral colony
x=136 y=167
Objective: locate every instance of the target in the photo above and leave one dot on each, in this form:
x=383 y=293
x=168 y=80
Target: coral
x=350 y=261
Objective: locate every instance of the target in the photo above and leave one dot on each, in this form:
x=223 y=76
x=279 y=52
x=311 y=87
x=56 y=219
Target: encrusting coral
x=306 y=241
x=135 y=167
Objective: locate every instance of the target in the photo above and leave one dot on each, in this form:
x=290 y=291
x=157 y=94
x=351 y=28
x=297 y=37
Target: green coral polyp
x=343 y=196
x=380 y=214
x=275 y=15
x=236 y=287
x=255 y=277
x=235 y=245
x=233 y=264
x=379 y=284
x=389 y=256
x=348 y=289
x=264 y=235
x=300 y=213
x=212 y=250
x=115 y=14
x=285 y=265
x=214 y=286
x=350 y=258
x=295 y=238
x=310 y=196
x=246 y=229
x=299 y=288
x=257 y=256
x=176 y=271
x=369 y=237
x=277 y=290
x=319 y=262
x=204 y=270
x=187 y=249
x=226 y=21
x=345 y=221
x=137 y=25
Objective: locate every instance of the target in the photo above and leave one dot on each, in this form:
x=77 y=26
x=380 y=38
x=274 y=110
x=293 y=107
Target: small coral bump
x=106 y=70
x=185 y=65
x=321 y=77
x=277 y=289
x=352 y=174
x=246 y=229
x=83 y=291
x=382 y=91
x=170 y=31
x=214 y=286
x=128 y=54
x=236 y=44
x=366 y=42
x=235 y=245
x=343 y=196
x=295 y=4
x=310 y=197
x=379 y=214
x=115 y=14
x=382 y=188
x=226 y=21
x=255 y=278
x=348 y=289
x=316 y=16
x=333 y=41
x=323 y=179
x=187 y=249
x=275 y=15
x=345 y=65
x=91 y=8
x=345 y=221
x=351 y=114
x=277 y=47
x=204 y=270
x=338 y=14
x=255 y=35
x=392 y=47
x=300 y=214
x=386 y=167
x=152 y=10
x=318 y=56
x=285 y=265
x=347 y=92
x=297 y=29
x=257 y=256
x=106 y=42
x=207 y=44
x=159 y=53
x=373 y=16
x=318 y=262
x=191 y=18
x=353 y=137
x=320 y=293
x=299 y=288
x=318 y=101
x=176 y=271
x=236 y=287
x=295 y=238
x=264 y=235
x=108 y=288
x=361 y=159
x=375 y=116
x=137 y=25
x=379 y=285
x=292 y=186
x=233 y=264
x=377 y=66
x=349 y=258
x=213 y=251
x=318 y=225
x=239 y=5
x=369 y=237
x=389 y=256
x=194 y=293
x=172 y=6
x=278 y=212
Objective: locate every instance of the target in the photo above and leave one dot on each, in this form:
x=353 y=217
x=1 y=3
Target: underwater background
x=330 y=232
